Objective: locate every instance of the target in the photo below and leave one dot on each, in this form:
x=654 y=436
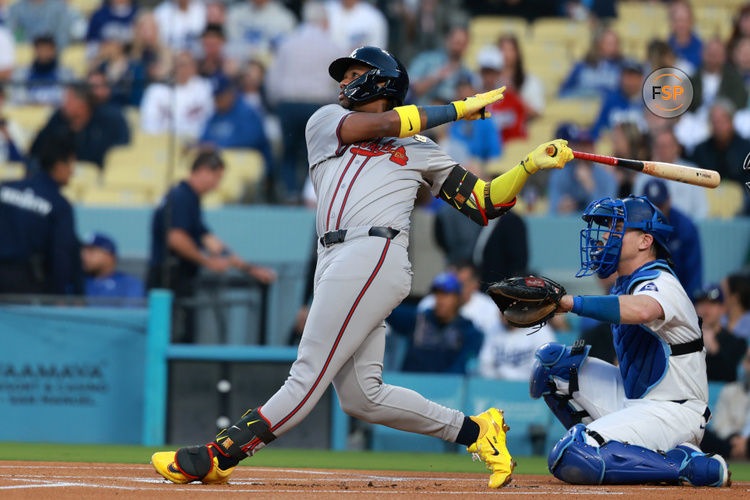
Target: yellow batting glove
x=472 y=108
x=554 y=154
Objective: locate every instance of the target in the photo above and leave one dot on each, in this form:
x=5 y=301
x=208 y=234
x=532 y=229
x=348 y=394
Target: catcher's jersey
x=369 y=183
x=685 y=375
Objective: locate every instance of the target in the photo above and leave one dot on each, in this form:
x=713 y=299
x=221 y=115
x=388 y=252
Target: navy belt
x=706 y=414
x=333 y=237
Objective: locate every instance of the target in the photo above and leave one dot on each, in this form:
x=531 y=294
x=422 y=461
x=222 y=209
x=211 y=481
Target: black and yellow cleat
x=196 y=463
x=490 y=447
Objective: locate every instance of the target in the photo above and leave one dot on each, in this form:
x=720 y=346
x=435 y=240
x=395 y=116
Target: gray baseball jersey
x=359 y=281
x=371 y=183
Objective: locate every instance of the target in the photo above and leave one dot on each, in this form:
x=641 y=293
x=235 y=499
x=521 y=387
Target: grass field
x=280 y=457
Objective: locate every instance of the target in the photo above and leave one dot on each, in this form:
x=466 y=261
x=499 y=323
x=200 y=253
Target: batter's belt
x=333 y=237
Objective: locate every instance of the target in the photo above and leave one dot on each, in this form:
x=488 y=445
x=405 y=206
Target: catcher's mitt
x=527 y=300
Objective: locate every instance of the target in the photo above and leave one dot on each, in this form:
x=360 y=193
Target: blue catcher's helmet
x=603 y=217
x=386 y=69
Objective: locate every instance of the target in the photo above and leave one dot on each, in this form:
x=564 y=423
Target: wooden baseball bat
x=670 y=171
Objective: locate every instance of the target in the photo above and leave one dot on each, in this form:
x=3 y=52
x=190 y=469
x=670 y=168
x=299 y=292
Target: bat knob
x=552 y=150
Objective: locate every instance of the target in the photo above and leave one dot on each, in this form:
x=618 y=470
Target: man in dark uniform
x=39 y=251
x=181 y=243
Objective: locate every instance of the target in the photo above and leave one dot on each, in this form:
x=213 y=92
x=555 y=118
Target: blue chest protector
x=642 y=354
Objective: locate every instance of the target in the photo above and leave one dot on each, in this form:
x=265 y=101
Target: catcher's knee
x=555 y=378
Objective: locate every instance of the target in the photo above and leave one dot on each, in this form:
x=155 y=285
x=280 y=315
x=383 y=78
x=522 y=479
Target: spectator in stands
x=455 y=236
x=180 y=22
x=599 y=72
x=684 y=242
x=40 y=251
x=682 y=38
x=251 y=81
x=181 y=244
x=213 y=63
x=11 y=135
x=296 y=99
x=508 y=114
x=127 y=77
x=234 y=124
x=440 y=339
x=435 y=74
x=481 y=138
x=570 y=190
x=508 y=352
x=741 y=27
x=256 y=27
x=103 y=280
x=147 y=50
x=724 y=351
x=476 y=306
x=515 y=76
x=686 y=198
x=628 y=141
x=724 y=151
x=354 y=23
x=717 y=79
x=42 y=82
x=7 y=53
x=624 y=104
x=493 y=256
x=736 y=289
x=32 y=19
x=729 y=432
x=741 y=60
x=95 y=129
x=424 y=25
x=659 y=54
x=113 y=20
x=183 y=108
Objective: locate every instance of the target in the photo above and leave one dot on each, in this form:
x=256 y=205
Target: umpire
x=40 y=253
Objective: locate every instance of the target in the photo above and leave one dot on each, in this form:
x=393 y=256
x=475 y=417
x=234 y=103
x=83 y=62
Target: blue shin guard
x=574 y=461
x=698 y=468
x=557 y=361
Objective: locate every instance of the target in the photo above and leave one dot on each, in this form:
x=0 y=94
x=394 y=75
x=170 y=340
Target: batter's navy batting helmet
x=386 y=69
x=602 y=216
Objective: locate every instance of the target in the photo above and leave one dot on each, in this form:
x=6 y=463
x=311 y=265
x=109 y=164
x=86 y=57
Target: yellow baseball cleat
x=165 y=464
x=491 y=447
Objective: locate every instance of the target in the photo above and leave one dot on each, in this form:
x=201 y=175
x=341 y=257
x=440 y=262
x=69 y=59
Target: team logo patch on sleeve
x=649 y=287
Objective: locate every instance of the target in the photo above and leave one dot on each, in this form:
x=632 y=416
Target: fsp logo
x=667 y=92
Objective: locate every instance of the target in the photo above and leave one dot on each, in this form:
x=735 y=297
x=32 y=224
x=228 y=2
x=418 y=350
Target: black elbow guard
x=457 y=190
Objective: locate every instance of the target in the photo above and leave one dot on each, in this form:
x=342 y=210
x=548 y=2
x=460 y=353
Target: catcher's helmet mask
x=387 y=78
x=611 y=217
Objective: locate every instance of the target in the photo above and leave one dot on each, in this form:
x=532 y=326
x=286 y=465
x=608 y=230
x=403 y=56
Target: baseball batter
x=366 y=164
x=641 y=422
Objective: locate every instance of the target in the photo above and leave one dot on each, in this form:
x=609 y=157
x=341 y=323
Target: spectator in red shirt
x=509 y=114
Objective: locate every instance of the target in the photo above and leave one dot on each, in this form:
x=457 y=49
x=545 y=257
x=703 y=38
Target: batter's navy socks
x=469 y=432
x=700 y=469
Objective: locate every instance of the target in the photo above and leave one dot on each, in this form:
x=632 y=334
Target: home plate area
x=62 y=481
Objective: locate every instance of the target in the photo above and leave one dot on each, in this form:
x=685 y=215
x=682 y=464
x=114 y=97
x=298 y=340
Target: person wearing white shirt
x=508 y=353
x=256 y=27
x=296 y=99
x=181 y=23
x=183 y=108
x=476 y=306
x=354 y=23
x=686 y=198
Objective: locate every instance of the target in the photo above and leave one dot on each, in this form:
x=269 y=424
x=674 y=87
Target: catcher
x=641 y=422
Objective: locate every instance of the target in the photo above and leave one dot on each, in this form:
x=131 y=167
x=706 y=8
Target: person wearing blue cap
x=440 y=339
x=724 y=351
x=234 y=124
x=99 y=258
x=684 y=245
x=624 y=104
x=573 y=188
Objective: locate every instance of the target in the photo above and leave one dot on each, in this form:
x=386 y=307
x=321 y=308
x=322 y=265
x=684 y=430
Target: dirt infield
x=63 y=481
